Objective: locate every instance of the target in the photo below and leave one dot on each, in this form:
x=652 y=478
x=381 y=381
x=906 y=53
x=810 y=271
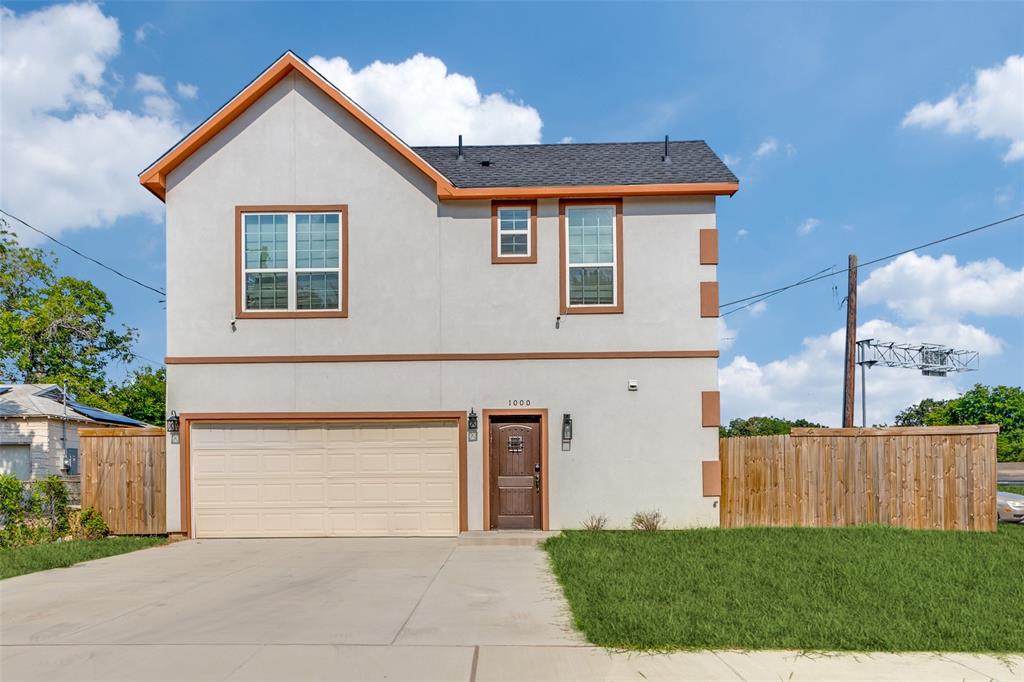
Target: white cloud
x=807 y=226
x=160 y=106
x=758 y=308
x=742 y=232
x=926 y=288
x=726 y=335
x=767 y=147
x=568 y=139
x=187 y=90
x=76 y=155
x=808 y=384
x=142 y=32
x=426 y=104
x=991 y=107
x=1004 y=195
x=145 y=82
x=730 y=160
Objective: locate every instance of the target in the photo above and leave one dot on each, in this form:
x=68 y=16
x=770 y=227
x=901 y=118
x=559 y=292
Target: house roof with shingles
x=47 y=400
x=607 y=163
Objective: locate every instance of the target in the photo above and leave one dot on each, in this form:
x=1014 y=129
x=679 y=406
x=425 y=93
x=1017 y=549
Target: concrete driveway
x=334 y=609
x=280 y=609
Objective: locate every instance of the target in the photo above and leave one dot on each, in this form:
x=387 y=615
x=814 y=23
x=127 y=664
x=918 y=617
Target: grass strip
x=867 y=588
x=41 y=557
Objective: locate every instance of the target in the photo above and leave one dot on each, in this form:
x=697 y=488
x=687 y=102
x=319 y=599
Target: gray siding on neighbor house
x=421 y=281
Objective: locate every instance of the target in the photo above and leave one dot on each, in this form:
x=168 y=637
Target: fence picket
x=917 y=477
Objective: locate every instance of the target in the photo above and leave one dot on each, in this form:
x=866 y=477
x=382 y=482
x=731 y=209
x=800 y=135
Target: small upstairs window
x=514 y=232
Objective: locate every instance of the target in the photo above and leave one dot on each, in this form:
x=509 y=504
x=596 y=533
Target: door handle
x=536 y=477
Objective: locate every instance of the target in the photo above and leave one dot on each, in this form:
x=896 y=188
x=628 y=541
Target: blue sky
x=808 y=103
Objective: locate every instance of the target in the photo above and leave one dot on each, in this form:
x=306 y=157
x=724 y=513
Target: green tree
x=55 y=329
x=763 y=426
x=917 y=415
x=1002 y=405
x=142 y=396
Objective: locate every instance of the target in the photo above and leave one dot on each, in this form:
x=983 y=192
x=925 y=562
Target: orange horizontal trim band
x=588 y=191
x=264 y=417
x=438 y=357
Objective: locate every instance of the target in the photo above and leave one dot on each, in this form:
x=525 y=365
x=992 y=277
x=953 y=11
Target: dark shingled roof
x=613 y=163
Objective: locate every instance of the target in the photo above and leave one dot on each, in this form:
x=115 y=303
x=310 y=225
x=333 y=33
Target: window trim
x=563 y=253
x=240 y=312
x=496 y=257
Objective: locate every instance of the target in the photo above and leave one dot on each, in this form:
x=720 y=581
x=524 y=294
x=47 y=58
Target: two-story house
x=367 y=338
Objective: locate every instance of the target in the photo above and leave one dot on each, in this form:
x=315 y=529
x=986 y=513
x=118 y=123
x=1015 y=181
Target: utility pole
x=849 y=377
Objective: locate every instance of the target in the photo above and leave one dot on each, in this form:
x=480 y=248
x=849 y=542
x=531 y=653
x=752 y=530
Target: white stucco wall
x=421 y=281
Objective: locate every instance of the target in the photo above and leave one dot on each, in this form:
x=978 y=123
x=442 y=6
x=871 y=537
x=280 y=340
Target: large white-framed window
x=292 y=261
x=592 y=242
x=514 y=232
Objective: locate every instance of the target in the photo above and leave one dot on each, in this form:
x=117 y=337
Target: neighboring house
x=39 y=432
x=367 y=338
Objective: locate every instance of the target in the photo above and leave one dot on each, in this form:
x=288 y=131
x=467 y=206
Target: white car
x=1010 y=506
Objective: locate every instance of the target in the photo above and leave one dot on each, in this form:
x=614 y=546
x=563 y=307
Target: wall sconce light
x=472 y=424
x=566 y=427
x=173 y=426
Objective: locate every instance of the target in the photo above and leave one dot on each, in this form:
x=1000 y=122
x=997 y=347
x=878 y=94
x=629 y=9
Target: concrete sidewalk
x=346 y=609
x=487 y=663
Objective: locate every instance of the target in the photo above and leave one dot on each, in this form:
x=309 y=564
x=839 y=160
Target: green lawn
x=863 y=589
x=41 y=557
x=1019 y=489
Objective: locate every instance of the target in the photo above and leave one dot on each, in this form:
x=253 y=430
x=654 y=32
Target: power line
x=766 y=297
x=773 y=292
x=89 y=258
x=151 y=360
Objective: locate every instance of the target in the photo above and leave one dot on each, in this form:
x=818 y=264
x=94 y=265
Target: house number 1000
x=519 y=403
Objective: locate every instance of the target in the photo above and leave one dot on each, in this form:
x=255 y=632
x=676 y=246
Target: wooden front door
x=515 y=472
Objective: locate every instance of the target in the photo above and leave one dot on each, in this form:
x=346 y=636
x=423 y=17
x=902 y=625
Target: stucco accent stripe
x=438 y=357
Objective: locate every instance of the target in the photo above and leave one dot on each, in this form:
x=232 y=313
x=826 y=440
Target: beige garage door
x=337 y=479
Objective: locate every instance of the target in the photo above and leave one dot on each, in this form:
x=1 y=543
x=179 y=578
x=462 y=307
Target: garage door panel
x=325 y=479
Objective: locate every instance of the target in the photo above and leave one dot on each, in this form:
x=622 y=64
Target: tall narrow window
x=292 y=261
x=514 y=232
x=591 y=251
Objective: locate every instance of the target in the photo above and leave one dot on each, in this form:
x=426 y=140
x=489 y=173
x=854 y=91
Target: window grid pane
x=316 y=241
x=514 y=219
x=514 y=245
x=591 y=285
x=266 y=291
x=266 y=241
x=316 y=291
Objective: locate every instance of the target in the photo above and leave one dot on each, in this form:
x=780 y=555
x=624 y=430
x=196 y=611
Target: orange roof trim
x=154 y=178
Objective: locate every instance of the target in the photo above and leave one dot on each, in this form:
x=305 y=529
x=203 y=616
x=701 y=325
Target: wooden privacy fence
x=124 y=478
x=916 y=477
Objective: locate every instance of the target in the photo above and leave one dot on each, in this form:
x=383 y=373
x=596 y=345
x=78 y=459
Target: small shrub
x=90 y=525
x=595 y=522
x=12 y=503
x=648 y=520
x=52 y=499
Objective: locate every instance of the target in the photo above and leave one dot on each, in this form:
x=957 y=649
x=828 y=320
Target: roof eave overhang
x=589 y=191
x=154 y=178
